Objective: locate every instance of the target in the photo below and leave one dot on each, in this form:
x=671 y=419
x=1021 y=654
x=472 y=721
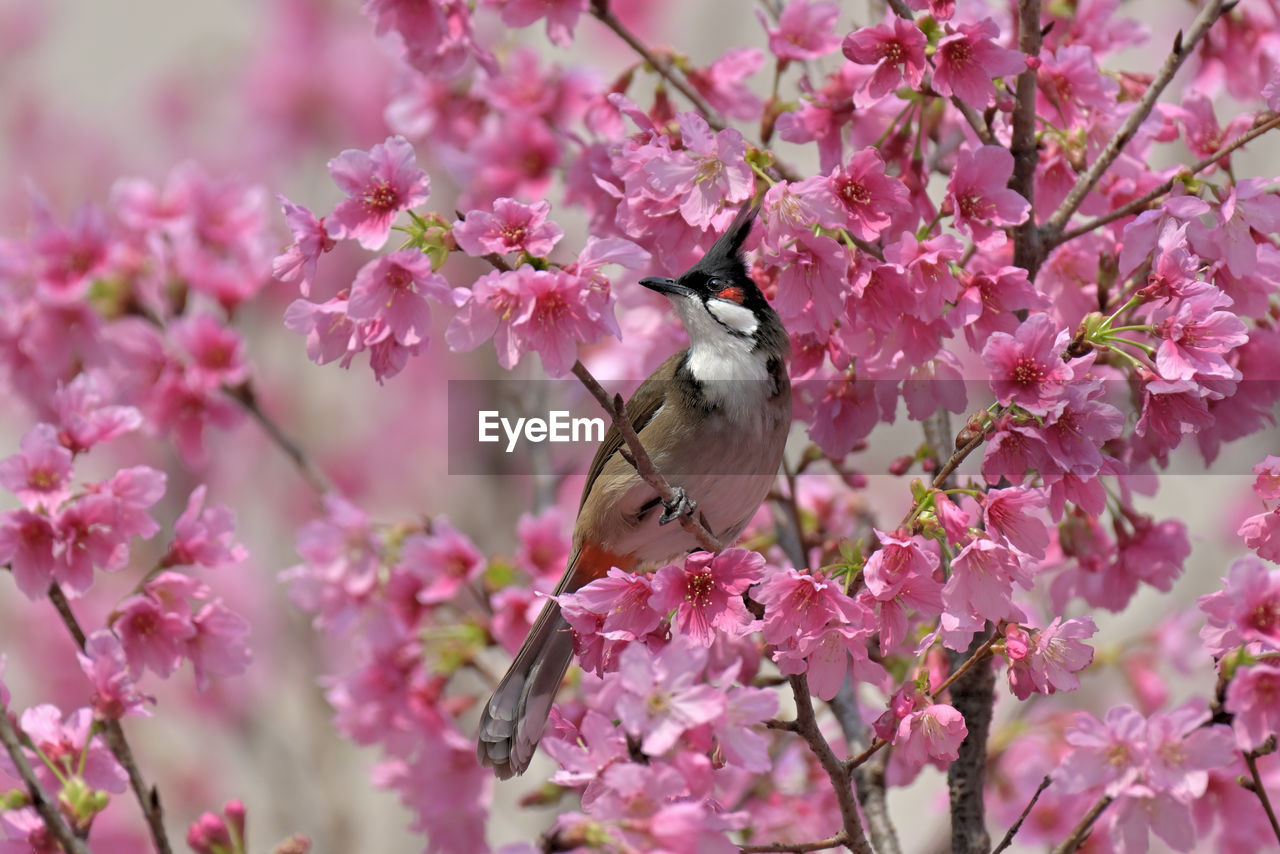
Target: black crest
x=724 y=259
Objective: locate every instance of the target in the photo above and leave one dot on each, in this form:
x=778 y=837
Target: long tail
x=512 y=721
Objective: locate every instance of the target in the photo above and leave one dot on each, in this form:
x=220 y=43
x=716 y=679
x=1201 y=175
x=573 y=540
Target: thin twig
x=148 y=797
x=1182 y=48
x=837 y=771
x=247 y=398
x=1081 y=831
x=901 y=9
x=1251 y=760
x=869 y=780
x=48 y=811
x=1026 y=811
x=640 y=458
x=663 y=66
x=1140 y=204
x=975 y=121
x=1026 y=237
x=797 y=847
x=978 y=655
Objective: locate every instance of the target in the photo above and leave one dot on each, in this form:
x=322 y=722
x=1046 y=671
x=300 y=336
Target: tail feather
x=512 y=722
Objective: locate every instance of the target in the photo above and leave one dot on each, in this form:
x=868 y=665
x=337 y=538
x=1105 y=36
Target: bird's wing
x=640 y=409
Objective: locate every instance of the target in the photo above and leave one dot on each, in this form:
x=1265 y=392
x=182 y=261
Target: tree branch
x=797 y=847
x=1140 y=204
x=869 y=779
x=148 y=797
x=601 y=12
x=1251 y=760
x=1026 y=811
x=1081 y=831
x=1182 y=47
x=972 y=695
x=837 y=771
x=639 y=458
x=1026 y=237
x=247 y=398
x=43 y=805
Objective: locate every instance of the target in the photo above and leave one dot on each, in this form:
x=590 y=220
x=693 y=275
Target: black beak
x=667 y=287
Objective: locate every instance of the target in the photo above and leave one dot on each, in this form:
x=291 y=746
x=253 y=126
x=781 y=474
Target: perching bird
x=714 y=419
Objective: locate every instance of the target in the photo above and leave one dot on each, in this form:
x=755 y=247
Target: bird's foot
x=680 y=505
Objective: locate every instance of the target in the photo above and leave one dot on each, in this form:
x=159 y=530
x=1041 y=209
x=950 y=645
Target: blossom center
x=1027 y=371
x=399 y=279
x=1265 y=619
x=854 y=192
x=709 y=171
x=958 y=53
x=970 y=205
x=699 y=589
x=380 y=198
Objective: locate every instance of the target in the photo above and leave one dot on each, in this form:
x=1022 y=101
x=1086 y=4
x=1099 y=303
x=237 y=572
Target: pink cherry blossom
x=619 y=606
x=1262 y=534
x=311 y=240
x=895 y=48
x=544 y=311
x=1267 y=484
x=40 y=473
x=933 y=732
x=805 y=30
x=896 y=562
x=1246 y=611
x=978 y=196
x=1197 y=336
x=982 y=578
x=870 y=198
x=511 y=227
x=85 y=419
x=1011 y=514
x=723 y=83
x=562 y=16
x=968 y=59
x=709 y=172
x=1027 y=368
x=114 y=693
x=437 y=37
x=204 y=535
x=1048 y=660
x=445 y=559
x=707 y=592
x=71 y=744
x=28 y=543
x=393 y=290
x=1253 y=696
x=660 y=698
x=217 y=645
x=155 y=625
x=1108 y=753
x=216 y=351
x=380 y=183
x=801 y=604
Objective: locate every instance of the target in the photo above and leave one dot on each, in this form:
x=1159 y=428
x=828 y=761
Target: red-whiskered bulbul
x=714 y=419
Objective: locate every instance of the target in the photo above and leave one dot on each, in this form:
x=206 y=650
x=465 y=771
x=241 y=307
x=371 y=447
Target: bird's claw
x=680 y=505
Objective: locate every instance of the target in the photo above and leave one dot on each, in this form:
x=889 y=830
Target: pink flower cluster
x=1154 y=767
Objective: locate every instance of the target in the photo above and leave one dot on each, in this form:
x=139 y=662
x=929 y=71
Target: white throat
x=733 y=373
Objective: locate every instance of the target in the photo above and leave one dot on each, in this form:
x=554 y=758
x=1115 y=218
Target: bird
x=714 y=420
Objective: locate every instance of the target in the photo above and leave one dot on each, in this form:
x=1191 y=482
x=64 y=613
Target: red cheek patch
x=733 y=294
